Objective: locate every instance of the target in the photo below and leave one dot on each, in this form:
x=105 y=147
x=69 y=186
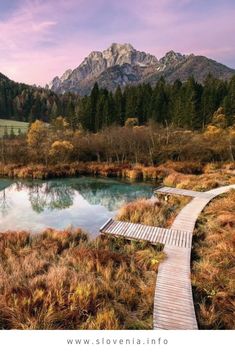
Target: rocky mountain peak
x=121 y=47
x=94 y=55
x=54 y=84
x=171 y=58
x=120 y=54
x=66 y=75
x=122 y=64
x=57 y=81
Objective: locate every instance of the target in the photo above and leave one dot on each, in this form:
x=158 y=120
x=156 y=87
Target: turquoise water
x=84 y=202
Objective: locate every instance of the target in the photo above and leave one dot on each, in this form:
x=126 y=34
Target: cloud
x=41 y=39
x=39 y=27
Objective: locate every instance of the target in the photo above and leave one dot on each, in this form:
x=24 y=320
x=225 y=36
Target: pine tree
x=176 y=103
x=160 y=103
x=229 y=102
x=211 y=98
x=192 y=96
x=93 y=103
x=119 y=110
x=54 y=111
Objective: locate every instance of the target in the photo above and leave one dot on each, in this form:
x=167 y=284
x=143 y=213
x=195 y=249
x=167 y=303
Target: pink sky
x=41 y=39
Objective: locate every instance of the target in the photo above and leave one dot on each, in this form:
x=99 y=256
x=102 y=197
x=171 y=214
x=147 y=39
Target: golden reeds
x=61 y=280
x=213 y=266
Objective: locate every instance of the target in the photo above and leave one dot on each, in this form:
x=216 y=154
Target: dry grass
x=202 y=182
x=213 y=266
x=189 y=175
x=152 y=212
x=127 y=171
x=61 y=280
x=43 y=172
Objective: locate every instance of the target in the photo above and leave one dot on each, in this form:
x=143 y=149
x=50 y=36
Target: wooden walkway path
x=148 y=233
x=181 y=192
x=173 y=300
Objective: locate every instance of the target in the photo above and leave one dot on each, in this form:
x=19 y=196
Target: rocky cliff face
x=122 y=65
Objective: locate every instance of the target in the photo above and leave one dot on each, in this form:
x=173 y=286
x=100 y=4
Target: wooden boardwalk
x=181 y=192
x=173 y=300
x=148 y=233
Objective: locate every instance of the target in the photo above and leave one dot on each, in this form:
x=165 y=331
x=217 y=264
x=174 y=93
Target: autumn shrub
x=213 y=265
x=185 y=167
x=133 y=174
x=60 y=150
x=150 y=173
x=63 y=280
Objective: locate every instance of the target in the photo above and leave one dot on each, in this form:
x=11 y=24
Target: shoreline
x=184 y=175
x=123 y=171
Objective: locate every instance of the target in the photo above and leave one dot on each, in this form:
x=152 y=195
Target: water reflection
x=80 y=202
x=110 y=194
x=49 y=196
x=4 y=202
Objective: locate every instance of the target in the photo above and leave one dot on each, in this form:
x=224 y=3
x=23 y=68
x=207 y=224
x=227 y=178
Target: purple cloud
x=41 y=39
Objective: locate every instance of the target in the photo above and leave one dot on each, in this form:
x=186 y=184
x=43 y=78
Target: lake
x=84 y=202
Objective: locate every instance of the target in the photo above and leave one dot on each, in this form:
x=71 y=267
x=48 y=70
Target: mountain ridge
x=122 y=65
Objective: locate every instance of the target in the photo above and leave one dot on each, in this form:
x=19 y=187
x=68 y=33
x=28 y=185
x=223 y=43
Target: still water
x=84 y=202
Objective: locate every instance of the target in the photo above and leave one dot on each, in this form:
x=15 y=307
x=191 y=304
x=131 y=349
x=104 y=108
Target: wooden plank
x=159 y=234
x=130 y=230
x=126 y=227
x=167 y=305
x=151 y=234
x=180 y=235
x=110 y=228
x=176 y=315
x=144 y=233
x=138 y=231
x=105 y=225
x=147 y=233
x=163 y=235
x=117 y=228
x=141 y=231
x=156 y=234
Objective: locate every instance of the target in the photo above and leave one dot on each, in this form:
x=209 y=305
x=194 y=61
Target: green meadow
x=12 y=126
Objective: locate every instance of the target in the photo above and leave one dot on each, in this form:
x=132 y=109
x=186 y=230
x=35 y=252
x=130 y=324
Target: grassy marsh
x=61 y=280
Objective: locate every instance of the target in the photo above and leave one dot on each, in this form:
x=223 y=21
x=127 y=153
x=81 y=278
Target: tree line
x=186 y=104
x=148 y=144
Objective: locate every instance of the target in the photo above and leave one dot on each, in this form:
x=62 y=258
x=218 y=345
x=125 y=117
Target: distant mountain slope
x=199 y=67
x=3 y=78
x=122 y=65
x=22 y=102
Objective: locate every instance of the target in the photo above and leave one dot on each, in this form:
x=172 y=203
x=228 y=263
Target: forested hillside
x=189 y=105
x=22 y=102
